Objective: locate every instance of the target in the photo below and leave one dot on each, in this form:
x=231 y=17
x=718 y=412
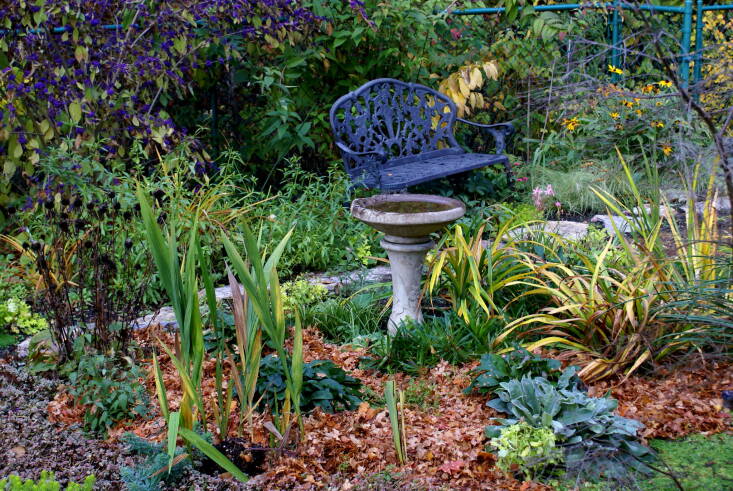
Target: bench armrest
x=501 y=132
x=367 y=161
x=382 y=157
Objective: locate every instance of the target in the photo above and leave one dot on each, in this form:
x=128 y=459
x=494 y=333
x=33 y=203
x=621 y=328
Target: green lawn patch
x=700 y=463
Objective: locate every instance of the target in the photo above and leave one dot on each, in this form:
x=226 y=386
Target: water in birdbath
x=409 y=206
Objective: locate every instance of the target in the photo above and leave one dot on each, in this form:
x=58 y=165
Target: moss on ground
x=699 y=462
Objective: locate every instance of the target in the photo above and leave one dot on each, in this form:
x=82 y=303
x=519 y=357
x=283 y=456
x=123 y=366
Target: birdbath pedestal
x=407 y=221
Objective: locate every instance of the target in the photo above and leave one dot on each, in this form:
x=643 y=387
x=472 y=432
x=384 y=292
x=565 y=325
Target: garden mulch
x=445 y=442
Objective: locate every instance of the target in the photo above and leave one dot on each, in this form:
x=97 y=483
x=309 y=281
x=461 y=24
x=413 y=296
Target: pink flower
x=522 y=179
x=558 y=204
x=517 y=163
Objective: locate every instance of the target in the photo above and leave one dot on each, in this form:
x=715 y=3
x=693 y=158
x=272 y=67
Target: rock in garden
x=564 y=228
x=674 y=195
x=608 y=222
x=663 y=210
x=721 y=205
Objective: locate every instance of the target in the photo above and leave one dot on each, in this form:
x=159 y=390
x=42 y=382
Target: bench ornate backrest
x=397 y=119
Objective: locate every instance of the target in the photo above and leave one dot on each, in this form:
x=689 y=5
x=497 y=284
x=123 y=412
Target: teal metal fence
x=690 y=9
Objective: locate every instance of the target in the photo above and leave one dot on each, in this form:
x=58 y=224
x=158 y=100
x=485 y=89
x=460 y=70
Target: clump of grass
x=572 y=187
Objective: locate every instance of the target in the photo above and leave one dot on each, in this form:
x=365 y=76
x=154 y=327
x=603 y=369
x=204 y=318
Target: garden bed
x=351 y=449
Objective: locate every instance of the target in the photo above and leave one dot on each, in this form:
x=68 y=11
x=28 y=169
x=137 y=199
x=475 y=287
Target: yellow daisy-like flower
x=570 y=124
x=657 y=124
x=615 y=115
x=615 y=70
x=659 y=103
x=665 y=83
x=626 y=103
x=667 y=150
x=639 y=112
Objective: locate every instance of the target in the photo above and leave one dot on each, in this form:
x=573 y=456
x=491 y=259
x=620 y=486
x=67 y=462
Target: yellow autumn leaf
x=491 y=70
x=476 y=79
x=453 y=84
x=464 y=87
x=472 y=99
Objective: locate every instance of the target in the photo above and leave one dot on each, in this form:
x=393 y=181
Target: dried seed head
x=65 y=201
x=128 y=243
x=158 y=194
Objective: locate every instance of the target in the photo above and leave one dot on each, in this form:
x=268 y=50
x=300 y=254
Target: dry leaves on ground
x=445 y=442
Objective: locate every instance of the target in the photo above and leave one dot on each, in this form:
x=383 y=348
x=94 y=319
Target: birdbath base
x=406 y=257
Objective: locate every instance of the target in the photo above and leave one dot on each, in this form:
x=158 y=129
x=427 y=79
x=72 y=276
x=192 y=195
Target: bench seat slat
x=393 y=178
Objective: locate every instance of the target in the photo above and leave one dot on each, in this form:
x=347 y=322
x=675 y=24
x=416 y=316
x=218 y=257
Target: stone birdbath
x=407 y=221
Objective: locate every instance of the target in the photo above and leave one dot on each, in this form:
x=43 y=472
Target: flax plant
x=602 y=313
x=395 y=402
x=661 y=306
x=180 y=281
x=249 y=345
x=698 y=249
x=262 y=286
x=472 y=274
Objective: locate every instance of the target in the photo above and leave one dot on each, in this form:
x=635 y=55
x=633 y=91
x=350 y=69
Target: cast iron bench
x=393 y=134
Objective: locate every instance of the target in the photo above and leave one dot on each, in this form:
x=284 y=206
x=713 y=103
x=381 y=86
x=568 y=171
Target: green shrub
x=344 y=320
x=496 y=369
x=325 y=235
x=526 y=447
x=325 y=385
x=47 y=482
x=17 y=319
x=301 y=294
x=145 y=476
x=415 y=347
x=595 y=441
x=110 y=390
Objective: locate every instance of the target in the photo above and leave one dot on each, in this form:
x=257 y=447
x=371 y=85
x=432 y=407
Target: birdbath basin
x=407 y=221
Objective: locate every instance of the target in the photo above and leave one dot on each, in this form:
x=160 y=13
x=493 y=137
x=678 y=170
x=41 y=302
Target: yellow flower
x=570 y=124
x=657 y=124
x=626 y=103
x=615 y=70
x=659 y=103
x=639 y=112
x=665 y=83
x=666 y=149
x=615 y=115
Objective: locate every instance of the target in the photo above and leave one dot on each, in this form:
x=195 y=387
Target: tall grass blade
x=207 y=449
